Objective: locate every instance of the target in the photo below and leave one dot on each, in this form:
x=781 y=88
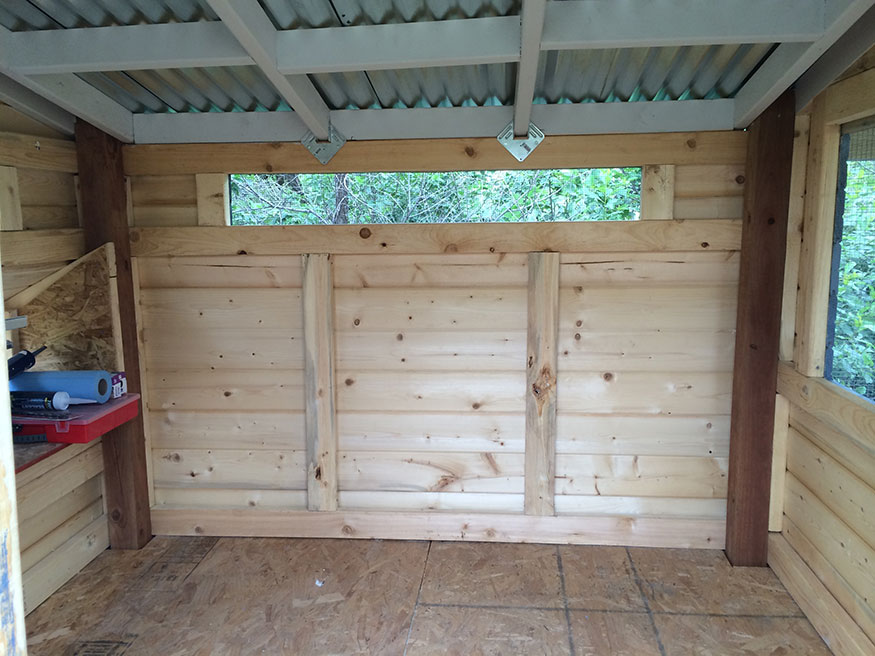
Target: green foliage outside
x=854 y=349
x=456 y=197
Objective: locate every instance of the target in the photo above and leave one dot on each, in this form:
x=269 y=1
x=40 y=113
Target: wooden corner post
x=763 y=248
x=541 y=365
x=320 y=415
x=103 y=197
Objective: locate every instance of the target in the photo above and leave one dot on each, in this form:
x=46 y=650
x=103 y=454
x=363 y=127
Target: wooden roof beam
x=532 y=26
x=790 y=60
x=254 y=31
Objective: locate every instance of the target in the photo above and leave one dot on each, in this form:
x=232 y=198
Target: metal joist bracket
x=324 y=150
x=520 y=147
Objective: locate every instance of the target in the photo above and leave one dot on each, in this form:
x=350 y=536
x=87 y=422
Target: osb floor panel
x=181 y=596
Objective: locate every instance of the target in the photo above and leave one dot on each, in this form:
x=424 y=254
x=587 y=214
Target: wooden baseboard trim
x=600 y=530
x=832 y=622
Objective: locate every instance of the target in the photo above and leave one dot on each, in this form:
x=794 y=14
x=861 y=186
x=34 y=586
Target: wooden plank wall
x=62 y=521
x=824 y=544
x=430 y=373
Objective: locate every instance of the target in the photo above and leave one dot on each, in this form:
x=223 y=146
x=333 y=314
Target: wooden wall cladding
x=830 y=491
x=430 y=376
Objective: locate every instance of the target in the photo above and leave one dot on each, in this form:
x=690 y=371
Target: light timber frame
x=503 y=476
x=823 y=540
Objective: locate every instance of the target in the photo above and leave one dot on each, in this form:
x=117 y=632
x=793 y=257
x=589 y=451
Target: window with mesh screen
x=453 y=197
x=850 y=351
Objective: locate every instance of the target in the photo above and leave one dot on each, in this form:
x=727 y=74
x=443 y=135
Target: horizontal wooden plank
x=714 y=208
x=213 y=347
x=850 y=498
x=855 y=456
x=37 y=152
x=163 y=190
x=477 y=527
x=703 y=351
x=151 y=216
x=708 y=180
x=229 y=468
x=656 y=435
x=509 y=269
x=478 y=502
x=603 y=308
x=40 y=525
x=63 y=563
x=230 y=271
x=566 y=151
x=578 y=237
x=430 y=270
x=434 y=391
x=19 y=278
x=646 y=476
x=687 y=268
x=848 y=552
x=39 y=246
x=491 y=472
x=411 y=471
x=513 y=503
x=279 y=430
x=434 y=310
x=432 y=351
x=577 y=434
x=429 y=432
x=41 y=187
x=654 y=393
x=231 y=390
x=58 y=482
x=588 y=505
x=640 y=309
x=39 y=468
x=857 y=607
x=49 y=217
x=193 y=309
x=579 y=392
x=59 y=536
x=841 y=408
x=188 y=497
x=823 y=611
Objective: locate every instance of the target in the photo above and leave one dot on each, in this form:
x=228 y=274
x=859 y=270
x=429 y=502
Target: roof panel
x=295 y=14
x=53 y=14
x=635 y=74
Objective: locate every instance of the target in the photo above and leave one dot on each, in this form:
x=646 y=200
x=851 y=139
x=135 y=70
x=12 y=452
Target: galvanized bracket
x=520 y=147
x=324 y=150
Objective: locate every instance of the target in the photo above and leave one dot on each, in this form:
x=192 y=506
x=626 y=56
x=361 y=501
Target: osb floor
x=181 y=596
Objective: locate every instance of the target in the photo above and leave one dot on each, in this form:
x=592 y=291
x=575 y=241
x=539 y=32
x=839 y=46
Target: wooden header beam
x=574 y=237
x=573 y=151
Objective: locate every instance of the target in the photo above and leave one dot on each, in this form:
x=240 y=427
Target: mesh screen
x=851 y=353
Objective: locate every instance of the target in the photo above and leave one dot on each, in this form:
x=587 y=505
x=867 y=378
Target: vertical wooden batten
x=657 y=191
x=10 y=200
x=319 y=371
x=213 y=199
x=817 y=233
x=760 y=289
x=541 y=366
x=104 y=208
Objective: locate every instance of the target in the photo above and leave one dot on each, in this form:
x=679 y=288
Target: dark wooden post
x=104 y=211
x=763 y=246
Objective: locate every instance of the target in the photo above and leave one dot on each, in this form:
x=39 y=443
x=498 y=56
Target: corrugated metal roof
x=633 y=74
x=53 y=14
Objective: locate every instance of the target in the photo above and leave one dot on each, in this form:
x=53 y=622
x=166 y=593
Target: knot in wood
x=543 y=386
